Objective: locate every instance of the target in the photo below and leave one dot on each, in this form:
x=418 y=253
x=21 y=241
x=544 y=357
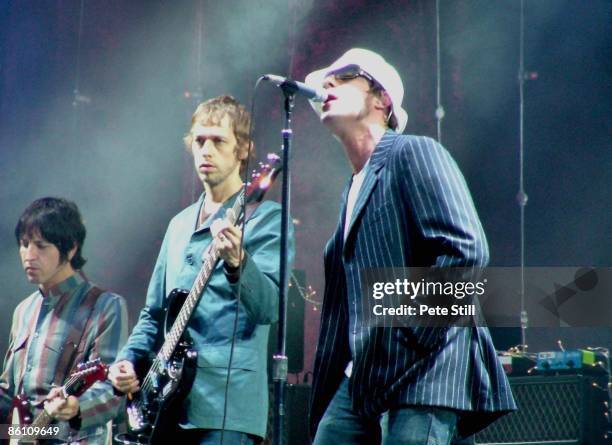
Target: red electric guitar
x=81 y=380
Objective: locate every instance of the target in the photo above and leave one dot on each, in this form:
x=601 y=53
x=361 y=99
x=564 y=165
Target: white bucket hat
x=374 y=65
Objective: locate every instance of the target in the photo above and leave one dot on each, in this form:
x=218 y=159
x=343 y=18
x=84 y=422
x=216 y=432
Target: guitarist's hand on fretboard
x=60 y=407
x=123 y=377
x=227 y=242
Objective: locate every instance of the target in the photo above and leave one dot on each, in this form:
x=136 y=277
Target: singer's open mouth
x=330 y=98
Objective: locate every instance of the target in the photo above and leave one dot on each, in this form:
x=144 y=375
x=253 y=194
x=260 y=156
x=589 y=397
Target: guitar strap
x=248 y=211
x=65 y=363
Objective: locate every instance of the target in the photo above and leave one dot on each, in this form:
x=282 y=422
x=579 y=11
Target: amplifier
x=296 y=418
x=570 y=359
x=295 y=425
x=552 y=410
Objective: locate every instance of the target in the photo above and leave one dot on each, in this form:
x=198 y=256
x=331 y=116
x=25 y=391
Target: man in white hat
x=407 y=205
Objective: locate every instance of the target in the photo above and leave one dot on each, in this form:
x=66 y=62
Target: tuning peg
x=273 y=157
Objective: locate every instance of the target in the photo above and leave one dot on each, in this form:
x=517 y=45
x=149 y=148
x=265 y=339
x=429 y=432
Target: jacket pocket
x=378 y=213
x=218 y=357
x=421 y=339
x=247 y=392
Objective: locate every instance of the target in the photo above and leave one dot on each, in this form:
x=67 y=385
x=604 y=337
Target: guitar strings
x=155 y=366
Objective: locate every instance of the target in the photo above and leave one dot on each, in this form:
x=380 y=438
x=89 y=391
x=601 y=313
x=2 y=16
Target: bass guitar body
x=153 y=413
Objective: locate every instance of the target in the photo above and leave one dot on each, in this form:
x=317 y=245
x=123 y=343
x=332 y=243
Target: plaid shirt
x=36 y=341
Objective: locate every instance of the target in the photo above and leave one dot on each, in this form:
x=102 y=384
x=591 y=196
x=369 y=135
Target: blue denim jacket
x=211 y=326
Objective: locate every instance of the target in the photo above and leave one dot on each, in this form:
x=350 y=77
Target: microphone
x=293 y=86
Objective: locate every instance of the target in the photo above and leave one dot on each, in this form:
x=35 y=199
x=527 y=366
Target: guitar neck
x=210 y=260
x=69 y=388
x=42 y=420
x=85 y=375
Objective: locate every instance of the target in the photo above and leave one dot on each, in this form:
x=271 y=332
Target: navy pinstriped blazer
x=413 y=209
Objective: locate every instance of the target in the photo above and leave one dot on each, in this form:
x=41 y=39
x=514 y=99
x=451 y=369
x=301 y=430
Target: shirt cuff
x=233 y=273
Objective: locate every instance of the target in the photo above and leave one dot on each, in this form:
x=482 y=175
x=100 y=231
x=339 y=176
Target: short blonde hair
x=212 y=112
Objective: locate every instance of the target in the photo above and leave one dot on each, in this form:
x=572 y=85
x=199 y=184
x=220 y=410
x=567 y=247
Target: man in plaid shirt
x=50 y=234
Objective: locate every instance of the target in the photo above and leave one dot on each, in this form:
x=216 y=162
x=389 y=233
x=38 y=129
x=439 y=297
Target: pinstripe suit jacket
x=413 y=210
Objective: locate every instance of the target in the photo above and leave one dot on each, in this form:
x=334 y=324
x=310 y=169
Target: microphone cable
x=243 y=212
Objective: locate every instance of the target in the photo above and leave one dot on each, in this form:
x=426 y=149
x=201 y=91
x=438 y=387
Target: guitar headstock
x=85 y=376
x=262 y=178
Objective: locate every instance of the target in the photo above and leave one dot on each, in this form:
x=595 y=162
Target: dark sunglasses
x=350 y=72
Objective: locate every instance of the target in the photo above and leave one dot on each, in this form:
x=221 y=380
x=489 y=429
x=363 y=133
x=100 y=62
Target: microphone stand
x=280 y=361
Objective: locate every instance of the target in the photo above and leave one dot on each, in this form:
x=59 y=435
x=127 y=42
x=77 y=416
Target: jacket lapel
x=377 y=161
x=218 y=214
x=336 y=239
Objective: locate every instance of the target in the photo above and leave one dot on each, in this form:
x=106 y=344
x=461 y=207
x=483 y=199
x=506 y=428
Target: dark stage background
x=114 y=146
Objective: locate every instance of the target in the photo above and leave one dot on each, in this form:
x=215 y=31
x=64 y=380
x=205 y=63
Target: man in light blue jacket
x=219 y=141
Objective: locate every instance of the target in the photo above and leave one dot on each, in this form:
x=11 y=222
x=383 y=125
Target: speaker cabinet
x=552 y=410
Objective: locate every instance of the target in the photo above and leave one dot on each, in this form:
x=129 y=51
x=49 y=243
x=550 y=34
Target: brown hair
x=212 y=112
x=380 y=92
x=59 y=222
